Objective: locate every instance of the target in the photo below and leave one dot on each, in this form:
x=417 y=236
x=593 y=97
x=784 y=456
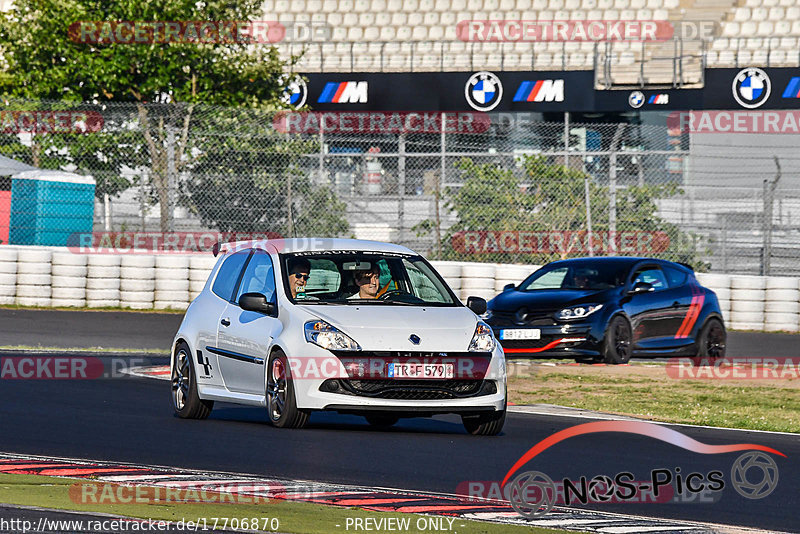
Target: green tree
x=549 y=200
x=163 y=81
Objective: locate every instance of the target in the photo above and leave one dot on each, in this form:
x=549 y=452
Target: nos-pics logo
x=483 y=91
x=751 y=87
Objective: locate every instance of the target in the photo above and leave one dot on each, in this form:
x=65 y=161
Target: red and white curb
x=159 y=372
x=375 y=499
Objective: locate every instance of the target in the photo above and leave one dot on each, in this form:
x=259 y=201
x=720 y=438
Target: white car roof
x=316 y=244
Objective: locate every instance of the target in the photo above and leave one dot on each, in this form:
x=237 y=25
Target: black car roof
x=616 y=260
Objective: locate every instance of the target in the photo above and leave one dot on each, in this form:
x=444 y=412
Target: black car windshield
x=594 y=276
x=362 y=277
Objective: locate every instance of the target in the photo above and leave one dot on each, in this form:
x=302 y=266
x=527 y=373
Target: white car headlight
x=577 y=312
x=328 y=337
x=483 y=340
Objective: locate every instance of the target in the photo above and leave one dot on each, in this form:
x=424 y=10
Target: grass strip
x=292 y=517
x=649 y=393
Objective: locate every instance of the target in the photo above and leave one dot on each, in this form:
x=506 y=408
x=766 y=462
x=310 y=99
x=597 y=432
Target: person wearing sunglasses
x=299 y=271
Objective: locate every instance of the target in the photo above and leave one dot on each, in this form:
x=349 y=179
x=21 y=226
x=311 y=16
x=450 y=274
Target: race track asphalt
x=149 y=331
x=131 y=420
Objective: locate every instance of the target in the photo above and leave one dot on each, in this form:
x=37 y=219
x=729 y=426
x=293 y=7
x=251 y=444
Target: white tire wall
x=172 y=282
x=34 y=281
x=102 y=282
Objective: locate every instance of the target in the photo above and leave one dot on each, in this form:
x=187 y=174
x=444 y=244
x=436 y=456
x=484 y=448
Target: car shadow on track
x=334 y=421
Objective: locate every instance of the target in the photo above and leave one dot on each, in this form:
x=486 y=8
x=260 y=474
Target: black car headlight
x=580 y=311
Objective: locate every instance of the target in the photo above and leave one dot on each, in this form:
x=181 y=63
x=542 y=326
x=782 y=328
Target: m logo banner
x=540 y=91
x=344 y=93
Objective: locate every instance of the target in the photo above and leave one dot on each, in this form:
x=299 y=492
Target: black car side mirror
x=509 y=286
x=477 y=305
x=641 y=287
x=256 y=302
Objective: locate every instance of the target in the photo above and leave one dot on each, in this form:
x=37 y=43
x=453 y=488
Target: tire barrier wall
x=55 y=277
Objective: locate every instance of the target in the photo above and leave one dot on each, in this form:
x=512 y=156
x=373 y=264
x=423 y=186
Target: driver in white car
x=368 y=283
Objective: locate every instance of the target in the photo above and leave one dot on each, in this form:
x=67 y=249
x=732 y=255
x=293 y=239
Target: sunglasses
x=302 y=276
x=366 y=276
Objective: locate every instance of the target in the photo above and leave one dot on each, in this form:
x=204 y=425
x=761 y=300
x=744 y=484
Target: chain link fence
x=515 y=188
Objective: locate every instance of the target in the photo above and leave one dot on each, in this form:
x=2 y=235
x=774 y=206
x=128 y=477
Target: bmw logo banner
x=751 y=87
x=483 y=91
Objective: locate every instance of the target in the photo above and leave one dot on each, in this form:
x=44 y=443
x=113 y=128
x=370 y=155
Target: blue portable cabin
x=47 y=206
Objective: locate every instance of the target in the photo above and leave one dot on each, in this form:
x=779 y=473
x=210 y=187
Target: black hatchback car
x=608 y=309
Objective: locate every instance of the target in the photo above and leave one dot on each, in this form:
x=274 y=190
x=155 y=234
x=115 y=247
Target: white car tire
x=34 y=255
x=67 y=303
x=477 y=271
x=103 y=271
x=138 y=273
x=68 y=281
x=33 y=268
x=8 y=254
x=136 y=296
x=69 y=270
x=101 y=303
x=748 y=282
x=747 y=306
x=172 y=296
x=171 y=274
x=138 y=260
x=68 y=258
x=170 y=305
x=34 y=291
x=8 y=290
x=102 y=283
x=787 y=295
x=104 y=260
x=68 y=293
x=127 y=284
x=171 y=285
x=102 y=294
x=170 y=261
x=38 y=302
x=782 y=306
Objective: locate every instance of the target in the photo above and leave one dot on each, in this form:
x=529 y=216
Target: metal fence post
x=437 y=191
x=171 y=178
x=401 y=185
x=612 y=189
x=588 y=214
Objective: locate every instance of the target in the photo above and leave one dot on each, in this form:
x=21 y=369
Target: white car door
x=207 y=311
x=244 y=337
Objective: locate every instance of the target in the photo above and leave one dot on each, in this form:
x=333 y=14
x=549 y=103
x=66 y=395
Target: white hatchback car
x=351 y=326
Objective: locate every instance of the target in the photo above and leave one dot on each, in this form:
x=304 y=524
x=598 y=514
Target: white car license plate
x=420 y=370
x=521 y=333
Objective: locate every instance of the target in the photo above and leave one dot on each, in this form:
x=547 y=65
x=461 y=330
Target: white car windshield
x=359 y=277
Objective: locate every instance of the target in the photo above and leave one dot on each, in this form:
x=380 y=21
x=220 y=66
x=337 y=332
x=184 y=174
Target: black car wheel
x=281 y=404
x=617 y=341
x=484 y=424
x=185 y=400
x=711 y=343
